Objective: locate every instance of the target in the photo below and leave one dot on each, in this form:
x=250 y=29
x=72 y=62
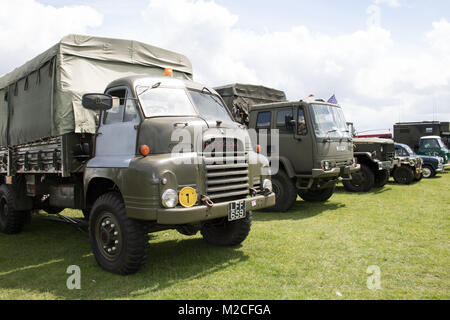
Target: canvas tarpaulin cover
x=42 y=98
x=239 y=97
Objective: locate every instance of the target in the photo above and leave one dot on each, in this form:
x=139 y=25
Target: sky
x=385 y=60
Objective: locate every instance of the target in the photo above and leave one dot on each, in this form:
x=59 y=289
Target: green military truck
x=376 y=157
x=313 y=149
x=113 y=156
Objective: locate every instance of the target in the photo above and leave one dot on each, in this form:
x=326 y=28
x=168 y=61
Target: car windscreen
x=329 y=121
x=409 y=150
x=210 y=106
x=157 y=102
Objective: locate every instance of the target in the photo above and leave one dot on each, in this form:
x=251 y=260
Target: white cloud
x=439 y=37
x=28 y=27
x=377 y=80
x=390 y=3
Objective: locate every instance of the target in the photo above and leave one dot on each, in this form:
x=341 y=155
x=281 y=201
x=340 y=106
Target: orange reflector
x=168 y=72
x=258 y=148
x=145 y=150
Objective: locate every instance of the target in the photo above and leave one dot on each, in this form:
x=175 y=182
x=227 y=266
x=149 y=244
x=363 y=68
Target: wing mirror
x=99 y=102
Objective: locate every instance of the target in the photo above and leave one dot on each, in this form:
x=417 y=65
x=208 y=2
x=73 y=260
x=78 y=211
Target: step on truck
x=377 y=158
x=314 y=148
x=93 y=124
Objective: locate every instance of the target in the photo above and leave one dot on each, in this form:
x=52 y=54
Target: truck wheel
x=381 y=178
x=428 y=171
x=221 y=232
x=320 y=195
x=362 y=181
x=403 y=175
x=285 y=192
x=118 y=242
x=11 y=220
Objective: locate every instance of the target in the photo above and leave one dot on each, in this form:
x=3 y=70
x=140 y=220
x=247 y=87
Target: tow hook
x=206 y=200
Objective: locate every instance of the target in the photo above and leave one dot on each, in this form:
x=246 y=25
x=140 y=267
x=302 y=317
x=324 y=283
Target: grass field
x=315 y=251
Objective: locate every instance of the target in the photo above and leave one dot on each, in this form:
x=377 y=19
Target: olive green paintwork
x=141 y=183
x=302 y=156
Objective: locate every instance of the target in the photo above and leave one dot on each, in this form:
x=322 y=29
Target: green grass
x=315 y=251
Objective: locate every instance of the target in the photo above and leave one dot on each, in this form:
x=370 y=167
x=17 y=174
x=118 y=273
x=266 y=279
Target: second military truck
x=112 y=155
x=314 y=147
x=376 y=157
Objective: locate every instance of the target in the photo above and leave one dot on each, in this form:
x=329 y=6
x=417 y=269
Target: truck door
x=302 y=144
x=117 y=134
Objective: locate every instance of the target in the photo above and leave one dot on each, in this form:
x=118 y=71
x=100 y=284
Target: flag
x=332 y=100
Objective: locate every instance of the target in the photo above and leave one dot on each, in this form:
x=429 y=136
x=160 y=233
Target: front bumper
x=177 y=216
x=386 y=165
x=346 y=172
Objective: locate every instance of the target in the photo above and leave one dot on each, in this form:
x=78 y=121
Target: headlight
x=267 y=185
x=169 y=198
x=326 y=165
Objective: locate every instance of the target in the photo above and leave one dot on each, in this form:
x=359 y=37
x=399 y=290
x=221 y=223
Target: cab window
x=430 y=143
x=401 y=152
x=115 y=114
x=302 y=129
x=263 y=119
x=124 y=112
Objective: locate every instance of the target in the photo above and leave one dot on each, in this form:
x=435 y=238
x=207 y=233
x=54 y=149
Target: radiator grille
x=226 y=171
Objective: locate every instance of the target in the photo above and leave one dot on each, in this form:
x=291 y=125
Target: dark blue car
x=431 y=164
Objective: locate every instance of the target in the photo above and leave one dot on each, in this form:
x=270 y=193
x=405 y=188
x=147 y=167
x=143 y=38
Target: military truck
x=314 y=148
x=113 y=156
x=409 y=133
x=377 y=158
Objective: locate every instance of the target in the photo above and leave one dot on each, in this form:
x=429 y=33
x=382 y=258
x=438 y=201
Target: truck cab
x=314 y=148
x=434 y=146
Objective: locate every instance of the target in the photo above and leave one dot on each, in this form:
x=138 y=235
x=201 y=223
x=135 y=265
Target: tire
x=285 y=192
x=118 y=242
x=381 y=178
x=362 y=181
x=221 y=232
x=428 y=171
x=320 y=195
x=403 y=175
x=11 y=221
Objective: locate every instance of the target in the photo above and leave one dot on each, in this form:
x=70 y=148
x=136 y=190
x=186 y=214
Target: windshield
x=408 y=149
x=329 y=121
x=157 y=102
x=441 y=143
x=210 y=106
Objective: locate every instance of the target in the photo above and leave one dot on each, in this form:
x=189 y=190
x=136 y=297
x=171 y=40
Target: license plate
x=236 y=210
